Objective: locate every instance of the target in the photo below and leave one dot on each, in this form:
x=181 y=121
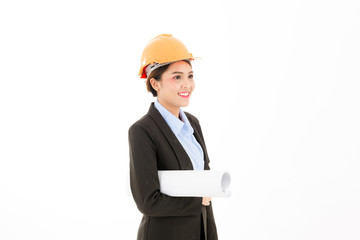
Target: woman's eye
x=178 y=77
x=191 y=76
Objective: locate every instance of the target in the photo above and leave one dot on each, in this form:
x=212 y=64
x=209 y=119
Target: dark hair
x=156 y=74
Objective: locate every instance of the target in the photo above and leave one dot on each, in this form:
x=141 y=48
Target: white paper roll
x=195 y=183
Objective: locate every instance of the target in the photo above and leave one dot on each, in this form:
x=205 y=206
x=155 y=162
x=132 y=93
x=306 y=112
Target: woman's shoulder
x=144 y=122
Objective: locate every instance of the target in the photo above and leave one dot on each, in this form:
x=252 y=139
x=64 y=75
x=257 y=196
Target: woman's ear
x=155 y=84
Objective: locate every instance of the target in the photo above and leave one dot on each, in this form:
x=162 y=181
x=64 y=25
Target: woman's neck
x=172 y=109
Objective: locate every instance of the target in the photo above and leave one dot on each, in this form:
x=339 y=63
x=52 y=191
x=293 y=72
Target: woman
x=167 y=138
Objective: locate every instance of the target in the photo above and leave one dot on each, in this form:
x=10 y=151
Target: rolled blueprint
x=195 y=183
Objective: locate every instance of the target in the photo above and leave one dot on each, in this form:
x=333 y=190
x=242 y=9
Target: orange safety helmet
x=162 y=49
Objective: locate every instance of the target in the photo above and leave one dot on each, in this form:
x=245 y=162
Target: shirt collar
x=174 y=123
x=187 y=124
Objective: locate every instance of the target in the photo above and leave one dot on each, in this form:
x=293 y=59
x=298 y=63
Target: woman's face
x=175 y=87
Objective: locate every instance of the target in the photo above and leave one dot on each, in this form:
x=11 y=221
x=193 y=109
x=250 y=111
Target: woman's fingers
x=206 y=201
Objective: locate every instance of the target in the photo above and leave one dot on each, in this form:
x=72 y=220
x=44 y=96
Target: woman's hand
x=206 y=201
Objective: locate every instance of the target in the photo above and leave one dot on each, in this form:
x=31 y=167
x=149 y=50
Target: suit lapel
x=200 y=141
x=183 y=158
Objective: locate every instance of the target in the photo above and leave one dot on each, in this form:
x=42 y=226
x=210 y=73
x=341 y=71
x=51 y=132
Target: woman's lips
x=184 y=94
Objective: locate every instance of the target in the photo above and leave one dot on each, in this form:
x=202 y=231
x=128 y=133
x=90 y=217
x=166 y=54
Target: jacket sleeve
x=144 y=179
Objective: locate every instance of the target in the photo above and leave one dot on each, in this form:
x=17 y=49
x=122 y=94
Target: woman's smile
x=184 y=94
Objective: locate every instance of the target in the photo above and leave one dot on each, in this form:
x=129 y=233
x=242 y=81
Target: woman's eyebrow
x=181 y=72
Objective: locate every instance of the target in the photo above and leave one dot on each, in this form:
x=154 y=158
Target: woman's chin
x=185 y=103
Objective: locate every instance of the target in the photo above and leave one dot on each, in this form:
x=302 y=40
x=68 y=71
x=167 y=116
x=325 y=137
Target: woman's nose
x=186 y=83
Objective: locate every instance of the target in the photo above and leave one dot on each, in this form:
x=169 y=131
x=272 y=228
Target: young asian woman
x=167 y=138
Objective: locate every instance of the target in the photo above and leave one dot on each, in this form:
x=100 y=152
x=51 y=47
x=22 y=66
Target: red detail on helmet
x=143 y=73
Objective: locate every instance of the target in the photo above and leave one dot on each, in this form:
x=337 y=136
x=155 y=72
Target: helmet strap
x=152 y=66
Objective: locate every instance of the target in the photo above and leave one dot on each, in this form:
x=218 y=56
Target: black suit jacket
x=153 y=146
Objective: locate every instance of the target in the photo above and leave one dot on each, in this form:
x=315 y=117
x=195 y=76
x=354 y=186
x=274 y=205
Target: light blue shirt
x=185 y=134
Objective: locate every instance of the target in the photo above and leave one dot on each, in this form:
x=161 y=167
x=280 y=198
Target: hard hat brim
x=142 y=72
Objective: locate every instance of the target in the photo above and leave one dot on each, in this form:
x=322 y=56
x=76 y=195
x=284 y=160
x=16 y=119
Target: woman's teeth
x=185 y=94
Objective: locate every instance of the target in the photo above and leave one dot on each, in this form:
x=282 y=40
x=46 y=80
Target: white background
x=277 y=96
